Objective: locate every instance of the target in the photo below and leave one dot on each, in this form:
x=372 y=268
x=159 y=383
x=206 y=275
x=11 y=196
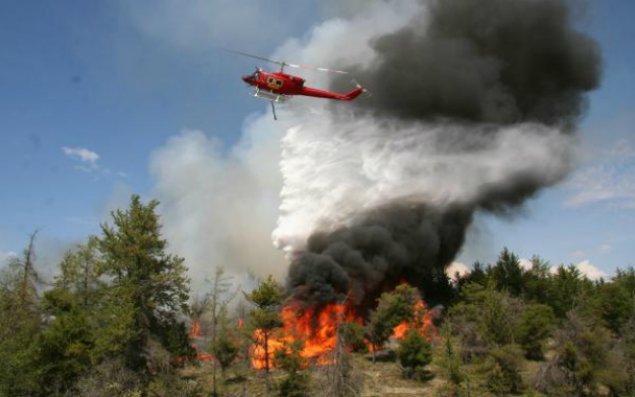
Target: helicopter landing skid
x=272 y=97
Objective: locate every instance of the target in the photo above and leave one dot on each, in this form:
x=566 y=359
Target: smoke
x=218 y=208
x=473 y=108
x=497 y=61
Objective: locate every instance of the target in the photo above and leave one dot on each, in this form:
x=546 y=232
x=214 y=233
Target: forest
x=119 y=319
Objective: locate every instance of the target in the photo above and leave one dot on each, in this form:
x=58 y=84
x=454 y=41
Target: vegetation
x=113 y=322
x=414 y=354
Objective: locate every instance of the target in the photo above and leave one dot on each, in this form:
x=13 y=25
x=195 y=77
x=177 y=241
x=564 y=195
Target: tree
x=566 y=290
x=616 y=299
x=215 y=304
x=65 y=345
x=451 y=361
x=339 y=378
x=392 y=309
x=265 y=317
x=296 y=384
x=20 y=324
x=148 y=288
x=507 y=273
x=581 y=358
x=225 y=350
x=352 y=335
x=537 y=281
x=503 y=370
x=414 y=354
x=536 y=324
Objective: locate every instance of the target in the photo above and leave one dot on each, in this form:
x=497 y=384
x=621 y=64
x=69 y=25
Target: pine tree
x=20 y=324
x=265 y=317
x=149 y=288
x=414 y=354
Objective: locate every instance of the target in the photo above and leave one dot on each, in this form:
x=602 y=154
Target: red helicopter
x=278 y=86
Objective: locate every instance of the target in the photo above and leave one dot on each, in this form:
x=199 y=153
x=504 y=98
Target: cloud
x=608 y=179
x=526 y=263
x=86 y=156
x=456 y=268
x=592 y=272
x=6 y=256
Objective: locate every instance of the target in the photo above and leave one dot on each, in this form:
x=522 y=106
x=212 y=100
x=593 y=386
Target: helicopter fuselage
x=280 y=83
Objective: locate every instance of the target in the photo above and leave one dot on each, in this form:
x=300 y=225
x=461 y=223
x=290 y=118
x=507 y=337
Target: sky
x=94 y=94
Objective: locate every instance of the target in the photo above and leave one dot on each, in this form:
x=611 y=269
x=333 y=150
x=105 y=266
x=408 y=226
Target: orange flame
x=318 y=332
x=195 y=331
x=422 y=322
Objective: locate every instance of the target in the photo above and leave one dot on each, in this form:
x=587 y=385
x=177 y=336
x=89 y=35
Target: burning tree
x=397 y=312
x=265 y=318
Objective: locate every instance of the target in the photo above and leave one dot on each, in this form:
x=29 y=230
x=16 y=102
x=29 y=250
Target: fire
x=195 y=333
x=318 y=331
x=422 y=322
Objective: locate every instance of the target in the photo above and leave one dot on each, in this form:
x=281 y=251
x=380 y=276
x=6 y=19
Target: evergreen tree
x=503 y=370
x=265 y=317
x=20 y=325
x=507 y=273
x=148 y=288
x=536 y=324
x=414 y=354
x=288 y=359
x=392 y=308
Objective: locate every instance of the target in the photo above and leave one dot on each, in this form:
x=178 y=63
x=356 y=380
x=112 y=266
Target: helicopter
x=278 y=87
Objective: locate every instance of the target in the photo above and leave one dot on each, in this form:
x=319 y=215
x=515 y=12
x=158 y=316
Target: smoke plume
x=473 y=108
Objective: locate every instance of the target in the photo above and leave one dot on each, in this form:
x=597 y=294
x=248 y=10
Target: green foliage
x=393 y=308
x=353 y=337
x=225 y=350
x=617 y=299
x=169 y=384
x=268 y=295
x=566 y=289
x=581 y=358
x=267 y=298
x=414 y=354
x=494 y=314
x=537 y=281
x=147 y=283
x=20 y=323
x=296 y=383
x=451 y=361
x=628 y=349
x=503 y=370
x=536 y=324
x=507 y=273
x=110 y=378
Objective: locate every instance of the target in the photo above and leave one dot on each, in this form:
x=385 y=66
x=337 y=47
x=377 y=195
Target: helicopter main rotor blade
x=293 y=65
x=283 y=63
x=256 y=57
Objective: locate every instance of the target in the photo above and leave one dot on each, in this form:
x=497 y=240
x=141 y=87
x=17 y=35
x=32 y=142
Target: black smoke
x=499 y=61
x=481 y=64
x=384 y=247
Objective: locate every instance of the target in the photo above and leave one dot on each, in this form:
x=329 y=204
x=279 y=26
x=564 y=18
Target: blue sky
x=120 y=78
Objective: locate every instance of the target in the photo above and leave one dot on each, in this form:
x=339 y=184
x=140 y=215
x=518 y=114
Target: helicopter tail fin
x=355 y=93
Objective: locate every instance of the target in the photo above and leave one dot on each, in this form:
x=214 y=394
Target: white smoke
x=218 y=209
x=337 y=167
